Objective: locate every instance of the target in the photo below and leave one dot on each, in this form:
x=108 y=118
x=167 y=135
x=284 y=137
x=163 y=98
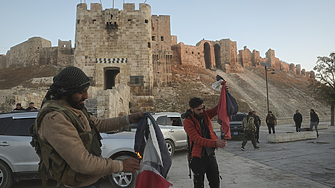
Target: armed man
x=66 y=137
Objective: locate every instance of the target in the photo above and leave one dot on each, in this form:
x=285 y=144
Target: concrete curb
x=290 y=137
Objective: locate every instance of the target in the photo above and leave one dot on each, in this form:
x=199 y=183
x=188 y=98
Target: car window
x=4 y=123
x=237 y=117
x=176 y=121
x=161 y=120
x=20 y=127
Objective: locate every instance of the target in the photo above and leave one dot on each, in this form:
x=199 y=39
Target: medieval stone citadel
x=128 y=55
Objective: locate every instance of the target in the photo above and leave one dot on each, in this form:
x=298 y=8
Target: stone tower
x=270 y=56
x=229 y=57
x=161 y=50
x=114 y=46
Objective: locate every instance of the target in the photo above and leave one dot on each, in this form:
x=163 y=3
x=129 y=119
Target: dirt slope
x=12 y=77
x=287 y=92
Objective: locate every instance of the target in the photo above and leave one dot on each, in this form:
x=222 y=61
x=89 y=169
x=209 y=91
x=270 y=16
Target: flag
x=156 y=161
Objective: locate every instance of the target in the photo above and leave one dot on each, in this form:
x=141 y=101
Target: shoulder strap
x=189 y=150
x=53 y=105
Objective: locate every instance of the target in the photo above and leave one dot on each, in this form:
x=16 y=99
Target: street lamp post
x=266 y=81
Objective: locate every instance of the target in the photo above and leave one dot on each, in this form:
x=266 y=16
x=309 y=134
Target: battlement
x=160 y=17
x=64 y=44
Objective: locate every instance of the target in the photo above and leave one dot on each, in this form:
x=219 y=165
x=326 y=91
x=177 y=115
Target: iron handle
x=4 y=144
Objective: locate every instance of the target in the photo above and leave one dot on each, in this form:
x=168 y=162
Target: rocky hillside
x=287 y=92
x=13 y=77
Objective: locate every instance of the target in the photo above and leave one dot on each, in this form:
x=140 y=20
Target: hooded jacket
x=193 y=130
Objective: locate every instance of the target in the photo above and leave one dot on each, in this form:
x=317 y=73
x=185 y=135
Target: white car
x=18 y=159
x=171 y=125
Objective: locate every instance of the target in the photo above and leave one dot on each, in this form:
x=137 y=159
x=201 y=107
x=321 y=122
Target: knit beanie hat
x=69 y=81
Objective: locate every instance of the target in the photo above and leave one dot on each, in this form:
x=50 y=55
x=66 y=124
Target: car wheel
x=123 y=179
x=170 y=147
x=6 y=178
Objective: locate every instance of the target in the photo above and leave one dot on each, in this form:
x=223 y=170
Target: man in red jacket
x=199 y=128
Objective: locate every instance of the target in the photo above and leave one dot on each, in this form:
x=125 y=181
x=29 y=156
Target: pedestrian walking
x=249 y=129
x=298 y=120
x=271 y=121
x=257 y=121
x=314 y=121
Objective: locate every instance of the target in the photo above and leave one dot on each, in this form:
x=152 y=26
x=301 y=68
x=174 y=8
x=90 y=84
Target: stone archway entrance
x=217 y=53
x=207 y=55
x=111 y=77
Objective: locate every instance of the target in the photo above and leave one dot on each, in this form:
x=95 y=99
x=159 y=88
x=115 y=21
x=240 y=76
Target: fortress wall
x=284 y=66
x=244 y=57
x=3 y=61
x=48 y=56
x=65 y=53
x=176 y=57
x=191 y=55
x=298 y=69
x=255 y=58
x=110 y=35
x=38 y=51
x=303 y=72
x=26 y=53
x=292 y=68
x=174 y=40
x=161 y=50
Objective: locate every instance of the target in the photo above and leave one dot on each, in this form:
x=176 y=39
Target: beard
x=199 y=116
x=75 y=104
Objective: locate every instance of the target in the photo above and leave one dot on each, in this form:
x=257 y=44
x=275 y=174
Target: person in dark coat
x=31 y=107
x=271 y=121
x=257 y=121
x=314 y=121
x=18 y=108
x=297 y=119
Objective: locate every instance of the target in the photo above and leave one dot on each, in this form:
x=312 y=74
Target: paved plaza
x=307 y=163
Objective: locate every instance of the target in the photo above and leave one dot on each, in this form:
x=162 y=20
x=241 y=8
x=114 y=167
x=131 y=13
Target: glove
x=135 y=117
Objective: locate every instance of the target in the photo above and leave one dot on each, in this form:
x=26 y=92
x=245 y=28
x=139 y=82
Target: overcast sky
x=298 y=30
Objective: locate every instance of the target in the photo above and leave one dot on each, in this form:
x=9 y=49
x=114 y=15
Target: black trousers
x=257 y=133
x=205 y=165
x=297 y=127
x=271 y=126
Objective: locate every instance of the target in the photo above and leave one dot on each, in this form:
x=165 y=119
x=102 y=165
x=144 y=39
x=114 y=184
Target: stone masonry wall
x=229 y=57
x=244 y=57
x=10 y=97
x=113 y=101
x=38 y=51
x=26 y=53
x=174 y=40
x=284 y=66
x=3 y=61
x=116 y=40
x=161 y=50
x=191 y=55
x=298 y=69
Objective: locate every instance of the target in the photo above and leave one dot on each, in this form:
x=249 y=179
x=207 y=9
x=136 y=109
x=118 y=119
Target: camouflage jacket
x=248 y=124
